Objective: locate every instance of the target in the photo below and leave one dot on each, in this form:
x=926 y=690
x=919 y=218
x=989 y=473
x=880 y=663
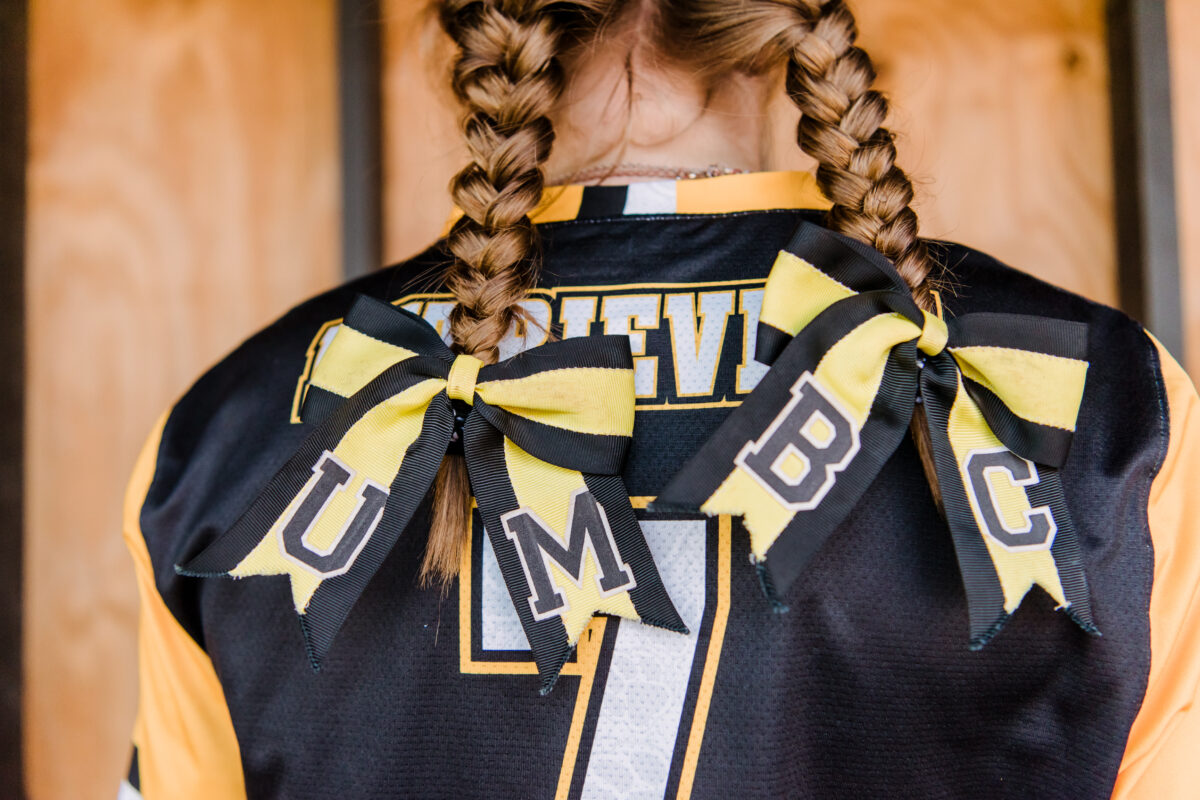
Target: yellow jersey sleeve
x=186 y=747
x=1162 y=757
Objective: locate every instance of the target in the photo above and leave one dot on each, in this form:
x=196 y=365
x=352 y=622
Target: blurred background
x=174 y=174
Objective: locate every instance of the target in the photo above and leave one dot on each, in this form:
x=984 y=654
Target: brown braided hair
x=508 y=77
x=830 y=80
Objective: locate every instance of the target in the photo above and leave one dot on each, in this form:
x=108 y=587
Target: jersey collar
x=724 y=194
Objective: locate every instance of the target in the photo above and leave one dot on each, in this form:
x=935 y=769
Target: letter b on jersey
x=798 y=457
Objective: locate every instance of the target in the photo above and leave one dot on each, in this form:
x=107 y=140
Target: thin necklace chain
x=605 y=171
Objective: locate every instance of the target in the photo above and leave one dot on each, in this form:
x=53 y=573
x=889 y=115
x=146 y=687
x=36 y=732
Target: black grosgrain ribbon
x=851 y=355
x=544 y=434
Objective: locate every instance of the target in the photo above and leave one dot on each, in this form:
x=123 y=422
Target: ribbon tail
x=272 y=536
x=1007 y=516
x=333 y=601
x=568 y=546
x=738 y=471
x=1068 y=559
x=649 y=596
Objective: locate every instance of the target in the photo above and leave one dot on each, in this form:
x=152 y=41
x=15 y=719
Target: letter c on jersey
x=982 y=468
x=798 y=457
x=335 y=559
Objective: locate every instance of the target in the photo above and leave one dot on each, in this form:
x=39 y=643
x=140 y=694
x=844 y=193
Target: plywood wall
x=1183 y=18
x=183 y=190
x=421 y=142
x=1002 y=108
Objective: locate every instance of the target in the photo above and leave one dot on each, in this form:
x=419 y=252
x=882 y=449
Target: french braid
x=507 y=77
x=830 y=80
x=841 y=125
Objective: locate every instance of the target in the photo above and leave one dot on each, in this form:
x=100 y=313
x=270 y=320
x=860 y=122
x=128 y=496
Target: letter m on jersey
x=799 y=455
x=545 y=559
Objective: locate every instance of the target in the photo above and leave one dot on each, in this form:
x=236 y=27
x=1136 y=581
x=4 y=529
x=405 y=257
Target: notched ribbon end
x=314 y=658
x=676 y=625
x=187 y=570
x=767 y=584
x=981 y=640
x=1081 y=616
x=550 y=676
x=1082 y=619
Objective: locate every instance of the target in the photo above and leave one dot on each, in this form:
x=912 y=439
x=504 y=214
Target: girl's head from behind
x=524 y=65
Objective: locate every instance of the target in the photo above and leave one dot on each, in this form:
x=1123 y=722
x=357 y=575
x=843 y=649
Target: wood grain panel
x=1002 y=110
x=1183 y=18
x=182 y=193
x=421 y=143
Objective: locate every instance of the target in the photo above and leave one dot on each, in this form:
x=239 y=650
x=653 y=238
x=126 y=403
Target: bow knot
x=544 y=442
x=460 y=384
x=934 y=335
x=850 y=355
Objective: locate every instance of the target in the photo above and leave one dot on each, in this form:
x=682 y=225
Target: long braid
x=841 y=125
x=830 y=80
x=507 y=77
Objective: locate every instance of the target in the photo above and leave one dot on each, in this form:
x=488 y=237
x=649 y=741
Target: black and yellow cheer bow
x=851 y=355
x=544 y=434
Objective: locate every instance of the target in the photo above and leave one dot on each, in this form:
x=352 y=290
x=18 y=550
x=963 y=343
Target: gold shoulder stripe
x=755 y=191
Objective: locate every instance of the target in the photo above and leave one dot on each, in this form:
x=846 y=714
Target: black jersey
x=865 y=688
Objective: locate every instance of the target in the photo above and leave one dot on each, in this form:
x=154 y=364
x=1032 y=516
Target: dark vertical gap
x=1144 y=168
x=360 y=65
x=13 y=150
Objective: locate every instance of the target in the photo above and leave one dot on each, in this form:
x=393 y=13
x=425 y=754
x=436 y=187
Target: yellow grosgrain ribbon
x=934 y=335
x=373 y=445
x=544 y=442
x=796 y=292
x=463 y=374
x=851 y=355
x=579 y=399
